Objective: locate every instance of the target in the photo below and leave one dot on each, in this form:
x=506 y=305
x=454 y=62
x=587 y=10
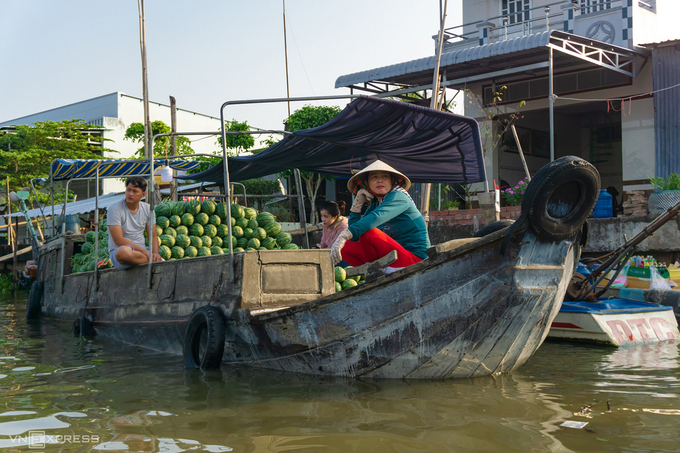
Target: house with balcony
x=594 y=78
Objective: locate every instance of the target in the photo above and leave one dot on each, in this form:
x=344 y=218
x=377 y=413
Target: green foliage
x=308 y=117
x=513 y=195
x=672 y=183
x=135 y=133
x=5 y=283
x=238 y=142
x=260 y=187
x=26 y=152
x=492 y=128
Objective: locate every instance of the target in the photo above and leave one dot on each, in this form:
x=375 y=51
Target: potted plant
x=666 y=194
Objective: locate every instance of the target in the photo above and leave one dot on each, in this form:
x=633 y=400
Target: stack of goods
x=342 y=281
x=192 y=228
x=644 y=272
x=85 y=260
x=635 y=204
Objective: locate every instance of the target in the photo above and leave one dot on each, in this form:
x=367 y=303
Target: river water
x=102 y=396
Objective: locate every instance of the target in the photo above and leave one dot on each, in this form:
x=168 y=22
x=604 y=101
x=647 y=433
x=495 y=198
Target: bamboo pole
x=173 y=144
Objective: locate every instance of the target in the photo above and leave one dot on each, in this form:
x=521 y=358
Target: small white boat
x=616 y=322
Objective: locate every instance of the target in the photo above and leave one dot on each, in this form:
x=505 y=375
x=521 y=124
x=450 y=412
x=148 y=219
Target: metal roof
x=74 y=207
x=479 y=60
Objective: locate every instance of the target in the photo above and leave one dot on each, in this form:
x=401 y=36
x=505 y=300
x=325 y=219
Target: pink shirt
x=331 y=233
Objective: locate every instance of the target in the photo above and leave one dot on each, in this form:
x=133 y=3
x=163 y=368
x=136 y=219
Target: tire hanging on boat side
x=34 y=300
x=204 y=339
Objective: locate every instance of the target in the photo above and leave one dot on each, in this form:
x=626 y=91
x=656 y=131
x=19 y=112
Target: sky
x=203 y=52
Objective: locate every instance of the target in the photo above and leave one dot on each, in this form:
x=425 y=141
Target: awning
x=524 y=54
x=426 y=144
x=63 y=169
x=74 y=207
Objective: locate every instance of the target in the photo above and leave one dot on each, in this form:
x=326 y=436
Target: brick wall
x=467 y=216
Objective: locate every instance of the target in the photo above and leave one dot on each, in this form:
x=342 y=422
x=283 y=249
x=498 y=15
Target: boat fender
x=492 y=228
x=204 y=339
x=34 y=300
x=82 y=327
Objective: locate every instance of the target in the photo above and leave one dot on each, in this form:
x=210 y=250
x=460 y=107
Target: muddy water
x=101 y=396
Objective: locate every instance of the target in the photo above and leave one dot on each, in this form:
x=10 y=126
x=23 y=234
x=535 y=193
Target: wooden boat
x=475 y=307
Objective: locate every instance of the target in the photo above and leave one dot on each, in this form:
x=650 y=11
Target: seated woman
x=334 y=222
x=391 y=221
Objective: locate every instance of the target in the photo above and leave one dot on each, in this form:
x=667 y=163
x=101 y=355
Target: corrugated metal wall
x=666 y=73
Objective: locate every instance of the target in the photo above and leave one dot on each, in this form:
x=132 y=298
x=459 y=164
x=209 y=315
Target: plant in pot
x=666 y=194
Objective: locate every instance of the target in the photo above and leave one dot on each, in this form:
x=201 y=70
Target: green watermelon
x=264 y=249
x=190 y=252
x=103 y=225
x=237 y=231
x=349 y=283
x=159 y=230
x=239 y=249
x=162 y=210
x=242 y=222
x=204 y=251
x=248 y=249
x=207 y=241
x=187 y=219
x=90 y=236
x=182 y=230
x=217 y=241
x=259 y=233
x=179 y=208
x=340 y=274
x=254 y=243
x=237 y=211
x=196 y=230
x=164 y=252
x=210 y=230
x=182 y=240
x=171 y=231
x=268 y=243
x=162 y=221
x=167 y=240
x=222 y=230
x=252 y=223
x=201 y=218
x=225 y=250
x=284 y=239
x=290 y=246
x=196 y=241
x=248 y=233
x=193 y=207
x=214 y=220
x=234 y=242
x=272 y=229
x=338 y=287
x=233 y=222
x=243 y=243
x=250 y=213
x=214 y=250
x=208 y=207
x=221 y=210
x=177 y=252
x=175 y=221
x=264 y=218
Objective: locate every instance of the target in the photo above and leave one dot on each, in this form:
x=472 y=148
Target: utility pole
x=285 y=51
x=145 y=83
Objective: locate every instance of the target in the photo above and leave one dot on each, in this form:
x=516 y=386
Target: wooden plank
x=302 y=230
x=375 y=268
x=11 y=255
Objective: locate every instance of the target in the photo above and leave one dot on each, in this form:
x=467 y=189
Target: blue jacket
x=398 y=217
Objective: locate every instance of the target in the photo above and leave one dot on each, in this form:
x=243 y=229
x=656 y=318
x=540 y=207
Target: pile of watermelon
x=193 y=228
x=342 y=281
x=85 y=260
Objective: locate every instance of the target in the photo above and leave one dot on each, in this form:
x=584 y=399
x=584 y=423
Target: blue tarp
x=426 y=144
x=63 y=169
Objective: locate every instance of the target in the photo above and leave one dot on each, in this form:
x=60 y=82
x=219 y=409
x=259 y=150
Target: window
x=591 y=6
x=516 y=11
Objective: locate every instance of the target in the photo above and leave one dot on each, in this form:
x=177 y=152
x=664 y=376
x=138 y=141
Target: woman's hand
x=360 y=200
x=336 y=254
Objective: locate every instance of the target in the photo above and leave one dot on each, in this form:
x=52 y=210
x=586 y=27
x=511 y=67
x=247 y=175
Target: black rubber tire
x=561 y=196
x=492 y=228
x=204 y=339
x=82 y=327
x=34 y=300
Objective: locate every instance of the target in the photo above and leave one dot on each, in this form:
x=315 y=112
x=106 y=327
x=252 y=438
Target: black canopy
x=425 y=144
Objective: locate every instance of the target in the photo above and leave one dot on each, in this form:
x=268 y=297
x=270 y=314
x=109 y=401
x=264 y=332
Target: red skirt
x=375 y=244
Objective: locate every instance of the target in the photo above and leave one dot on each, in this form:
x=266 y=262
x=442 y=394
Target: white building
x=115 y=112
x=614 y=68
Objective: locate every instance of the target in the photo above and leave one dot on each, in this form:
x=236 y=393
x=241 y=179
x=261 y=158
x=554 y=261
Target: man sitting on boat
x=126 y=222
x=391 y=221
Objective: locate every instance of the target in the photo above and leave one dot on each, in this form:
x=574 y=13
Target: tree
x=26 y=151
x=306 y=118
x=238 y=142
x=161 y=147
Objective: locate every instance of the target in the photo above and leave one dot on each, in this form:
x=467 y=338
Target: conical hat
x=378 y=165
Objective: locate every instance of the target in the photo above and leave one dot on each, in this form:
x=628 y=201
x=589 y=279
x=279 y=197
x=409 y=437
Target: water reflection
x=133 y=400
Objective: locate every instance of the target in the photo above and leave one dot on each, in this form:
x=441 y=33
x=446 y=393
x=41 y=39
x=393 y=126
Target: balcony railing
x=552 y=16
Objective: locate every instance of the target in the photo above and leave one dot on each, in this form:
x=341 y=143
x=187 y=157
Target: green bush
x=672 y=183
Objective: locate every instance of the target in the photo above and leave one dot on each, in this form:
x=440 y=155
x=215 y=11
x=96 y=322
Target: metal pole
x=551 y=103
x=145 y=83
x=16 y=246
x=150 y=200
x=173 y=144
x=285 y=51
x=96 y=230
x=227 y=192
x=301 y=206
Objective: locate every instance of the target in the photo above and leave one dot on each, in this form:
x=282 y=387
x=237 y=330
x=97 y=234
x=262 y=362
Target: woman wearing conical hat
x=391 y=221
